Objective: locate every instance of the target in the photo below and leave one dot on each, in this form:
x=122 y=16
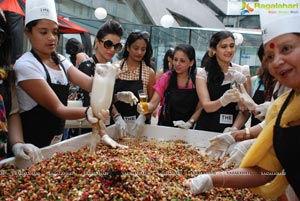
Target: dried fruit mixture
x=148 y=170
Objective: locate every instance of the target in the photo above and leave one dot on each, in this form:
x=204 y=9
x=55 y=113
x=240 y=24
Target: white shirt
x=27 y=67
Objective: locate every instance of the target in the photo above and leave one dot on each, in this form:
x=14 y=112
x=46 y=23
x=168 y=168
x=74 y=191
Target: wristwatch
x=248 y=136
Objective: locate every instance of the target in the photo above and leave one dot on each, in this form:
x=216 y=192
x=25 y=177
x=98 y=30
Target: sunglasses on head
x=144 y=34
x=108 y=44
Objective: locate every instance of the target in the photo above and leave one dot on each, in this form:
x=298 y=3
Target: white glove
x=121 y=126
x=199 y=184
x=239 y=77
x=102 y=116
x=182 y=124
x=230 y=96
x=109 y=141
x=229 y=129
x=246 y=99
x=238 y=152
x=139 y=125
x=218 y=146
x=262 y=110
x=27 y=152
x=127 y=97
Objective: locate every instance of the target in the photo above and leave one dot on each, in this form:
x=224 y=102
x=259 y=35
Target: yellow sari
x=262 y=152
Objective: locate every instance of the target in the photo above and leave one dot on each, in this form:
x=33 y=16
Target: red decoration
x=272 y=45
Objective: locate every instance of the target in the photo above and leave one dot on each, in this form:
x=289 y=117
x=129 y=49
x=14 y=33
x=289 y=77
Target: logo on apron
x=226 y=119
x=129 y=119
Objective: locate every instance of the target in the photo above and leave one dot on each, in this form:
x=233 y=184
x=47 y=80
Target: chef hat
x=40 y=9
x=279 y=17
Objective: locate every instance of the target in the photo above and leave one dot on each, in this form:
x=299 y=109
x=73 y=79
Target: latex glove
x=261 y=110
x=199 y=184
x=219 y=145
x=109 y=141
x=139 y=125
x=121 y=126
x=103 y=116
x=246 y=99
x=238 y=152
x=239 y=77
x=27 y=152
x=229 y=129
x=230 y=96
x=182 y=124
x=127 y=97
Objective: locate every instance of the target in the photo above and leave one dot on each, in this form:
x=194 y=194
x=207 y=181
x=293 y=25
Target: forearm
x=15 y=133
x=70 y=113
x=153 y=103
x=241 y=119
x=241 y=178
x=212 y=106
x=114 y=111
x=197 y=112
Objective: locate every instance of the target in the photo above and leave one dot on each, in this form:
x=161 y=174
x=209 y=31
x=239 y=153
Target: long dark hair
x=169 y=53
x=190 y=52
x=134 y=36
x=212 y=67
x=54 y=54
x=74 y=46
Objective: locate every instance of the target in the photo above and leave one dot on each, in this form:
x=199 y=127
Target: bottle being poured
x=101 y=98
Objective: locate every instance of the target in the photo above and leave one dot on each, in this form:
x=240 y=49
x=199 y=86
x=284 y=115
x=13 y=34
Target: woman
x=76 y=51
x=135 y=74
x=214 y=81
x=262 y=85
x=42 y=78
x=107 y=44
x=10 y=123
x=167 y=63
x=269 y=164
x=176 y=91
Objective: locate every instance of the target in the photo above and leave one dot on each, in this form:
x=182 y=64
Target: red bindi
x=272 y=45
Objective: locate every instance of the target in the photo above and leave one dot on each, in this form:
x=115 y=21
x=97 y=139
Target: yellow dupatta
x=262 y=152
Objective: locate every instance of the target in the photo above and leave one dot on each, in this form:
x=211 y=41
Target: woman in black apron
x=180 y=106
x=39 y=120
x=135 y=75
x=43 y=99
x=286 y=144
x=263 y=84
x=215 y=81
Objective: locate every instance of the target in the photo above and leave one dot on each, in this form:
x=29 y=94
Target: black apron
x=180 y=104
x=128 y=112
x=39 y=124
x=286 y=145
x=222 y=118
x=258 y=98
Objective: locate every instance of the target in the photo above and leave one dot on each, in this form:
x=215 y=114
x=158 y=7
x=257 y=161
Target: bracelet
x=247 y=133
x=116 y=115
x=85 y=112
